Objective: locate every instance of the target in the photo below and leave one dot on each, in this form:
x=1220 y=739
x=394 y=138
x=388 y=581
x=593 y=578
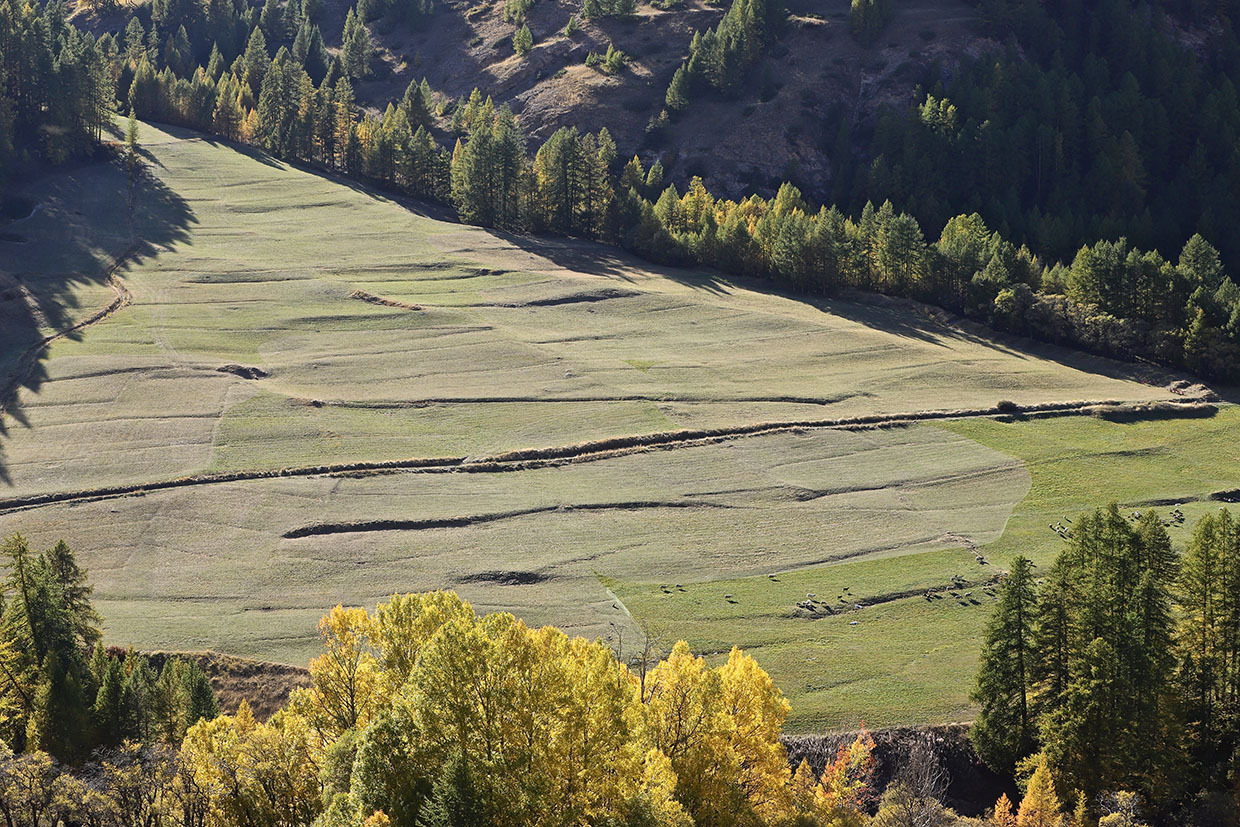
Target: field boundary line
x=527 y=459
x=462 y=521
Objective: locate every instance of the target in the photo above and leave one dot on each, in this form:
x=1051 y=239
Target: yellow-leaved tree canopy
x=424 y=714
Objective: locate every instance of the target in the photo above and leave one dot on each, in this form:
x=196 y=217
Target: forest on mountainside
x=1112 y=298
x=1082 y=146
x=1096 y=121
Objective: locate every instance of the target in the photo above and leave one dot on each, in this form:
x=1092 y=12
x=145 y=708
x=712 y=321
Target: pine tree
x=1004 y=730
x=227 y=116
x=1200 y=264
x=455 y=799
x=301 y=43
x=1208 y=637
x=277 y=104
x=200 y=700
x=135 y=41
x=508 y=159
x=131 y=155
x=417 y=104
x=559 y=174
x=633 y=176
x=215 y=64
x=144 y=91
x=272 y=21
x=356 y=48
x=58 y=723
x=109 y=713
x=344 y=135
x=654 y=179
x=522 y=40
x=254 y=62
x=62 y=563
x=1152 y=747
x=168 y=702
x=677 y=97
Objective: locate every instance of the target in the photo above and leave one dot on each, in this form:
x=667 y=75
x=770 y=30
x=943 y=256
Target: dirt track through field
x=599 y=449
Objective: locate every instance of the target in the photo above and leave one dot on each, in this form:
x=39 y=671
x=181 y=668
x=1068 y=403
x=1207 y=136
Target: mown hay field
x=273 y=318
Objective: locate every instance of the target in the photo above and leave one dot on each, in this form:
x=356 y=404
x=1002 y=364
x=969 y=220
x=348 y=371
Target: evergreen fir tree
x=1004 y=730
x=677 y=97
x=254 y=62
x=356 y=48
x=75 y=591
x=522 y=40
x=455 y=799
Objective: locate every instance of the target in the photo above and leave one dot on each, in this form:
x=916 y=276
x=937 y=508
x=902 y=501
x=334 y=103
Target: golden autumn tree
x=241 y=772
x=756 y=711
x=344 y=679
x=839 y=797
x=403 y=626
x=719 y=728
x=424 y=708
x=545 y=714
x=528 y=724
x=846 y=789
x=1003 y=815
x=1040 y=807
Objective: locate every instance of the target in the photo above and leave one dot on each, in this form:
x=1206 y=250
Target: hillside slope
x=281 y=321
x=816 y=78
x=798 y=96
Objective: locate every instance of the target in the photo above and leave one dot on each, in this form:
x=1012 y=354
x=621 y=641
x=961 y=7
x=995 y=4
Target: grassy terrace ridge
x=281 y=319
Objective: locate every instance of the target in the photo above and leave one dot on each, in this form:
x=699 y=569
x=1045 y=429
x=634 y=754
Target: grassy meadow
x=382 y=333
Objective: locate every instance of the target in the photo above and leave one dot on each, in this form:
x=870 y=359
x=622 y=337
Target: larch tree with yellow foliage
x=1040 y=807
x=1003 y=815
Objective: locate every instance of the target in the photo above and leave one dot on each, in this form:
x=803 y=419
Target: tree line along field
x=270 y=318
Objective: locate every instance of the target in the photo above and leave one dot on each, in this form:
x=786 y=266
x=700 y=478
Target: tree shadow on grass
x=616 y=263
x=81 y=231
x=899 y=317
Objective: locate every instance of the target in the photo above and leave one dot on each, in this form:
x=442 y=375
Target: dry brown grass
x=264 y=686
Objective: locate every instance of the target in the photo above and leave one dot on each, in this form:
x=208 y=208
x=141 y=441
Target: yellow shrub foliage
x=536 y=726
